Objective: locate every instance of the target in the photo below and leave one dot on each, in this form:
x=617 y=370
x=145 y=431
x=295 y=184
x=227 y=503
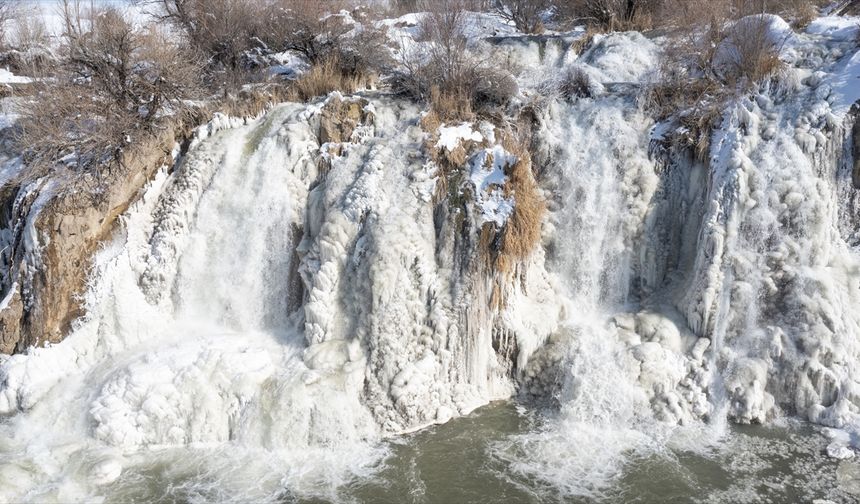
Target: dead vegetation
x=522 y=232
x=114 y=82
x=731 y=50
x=322 y=79
x=526 y=15
x=445 y=74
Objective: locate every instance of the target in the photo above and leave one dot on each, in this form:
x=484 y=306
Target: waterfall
x=292 y=292
x=189 y=342
x=700 y=291
x=270 y=298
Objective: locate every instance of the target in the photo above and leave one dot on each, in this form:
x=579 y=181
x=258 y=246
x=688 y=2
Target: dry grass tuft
x=522 y=233
x=253 y=101
x=324 y=78
x=582 y=44
x=446 y=107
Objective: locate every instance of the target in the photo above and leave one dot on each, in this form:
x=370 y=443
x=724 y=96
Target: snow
x=487 y=174
x=7 y=77
x=620 y=57
x=50 y=13
x=450 y=137
x=837 y=28
x=189 y=340
x=844 y=83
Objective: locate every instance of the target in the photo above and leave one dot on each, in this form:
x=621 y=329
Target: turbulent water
x=275 y=316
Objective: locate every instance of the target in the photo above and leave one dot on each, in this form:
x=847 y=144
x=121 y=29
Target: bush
x=709 y=64
x=445 y=74
x=220 y=29
x=575 y=83
x=322 y=79
x=527 y=15
x=304 y=26
x=27 y=49
x=749 y=52
x=116 y=81
x=6 y=14
x=613 y=14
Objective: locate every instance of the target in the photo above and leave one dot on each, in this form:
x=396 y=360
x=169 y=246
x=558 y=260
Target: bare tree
x=6 y=14
x=116 y=81
x=527 y=15
x=220 y=29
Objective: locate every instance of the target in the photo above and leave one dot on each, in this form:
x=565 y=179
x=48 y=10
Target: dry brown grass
x=251 y=101
x=324 y=78
x=522 y=233
x=582 y=44
x=749 y=53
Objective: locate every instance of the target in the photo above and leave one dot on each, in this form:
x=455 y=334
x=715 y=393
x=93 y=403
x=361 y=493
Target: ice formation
x=270 y=296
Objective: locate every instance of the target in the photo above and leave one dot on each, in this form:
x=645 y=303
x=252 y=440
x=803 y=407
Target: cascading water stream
x=189 y=343
x=256 y=328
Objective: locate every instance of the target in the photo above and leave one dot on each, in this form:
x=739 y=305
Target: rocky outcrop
x=56 y=231
x=855 y=148
x=10 y=318
x=339 y=119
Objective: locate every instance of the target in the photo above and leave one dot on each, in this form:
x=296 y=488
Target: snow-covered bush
x=575 y=82
x=749 y=52
x=723 y=52
x=25 y=47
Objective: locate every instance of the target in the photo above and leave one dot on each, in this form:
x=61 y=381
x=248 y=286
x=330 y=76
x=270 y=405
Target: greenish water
x=458 y=462
x=453 y=463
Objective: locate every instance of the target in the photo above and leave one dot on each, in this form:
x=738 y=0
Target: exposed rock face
x=54 y=235
x=10 y=318
x=855 y=149
x=339 y=119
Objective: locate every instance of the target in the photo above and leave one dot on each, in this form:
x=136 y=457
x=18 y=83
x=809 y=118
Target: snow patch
x=451 y=136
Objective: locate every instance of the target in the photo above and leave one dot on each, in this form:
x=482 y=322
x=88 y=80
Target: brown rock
x=10 y=318
x=339 y=118
x=70 y=228
x=855 y=151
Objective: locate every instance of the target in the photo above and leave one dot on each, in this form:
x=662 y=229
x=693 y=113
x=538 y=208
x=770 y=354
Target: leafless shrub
x=342 y=57
x=30 y=30
x=220 y=29
x=527 y=15
x=612 y=14
x=730 y=50
x=304 y=26
x=800 y=12
x=575 y=83
x=749 y=52
x=115 y=83
x=444 y=73
x=26 y=50
x=6 y=13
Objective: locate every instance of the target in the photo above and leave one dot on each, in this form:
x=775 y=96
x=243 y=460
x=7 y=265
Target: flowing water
x=261 y=330
x=459 y=462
